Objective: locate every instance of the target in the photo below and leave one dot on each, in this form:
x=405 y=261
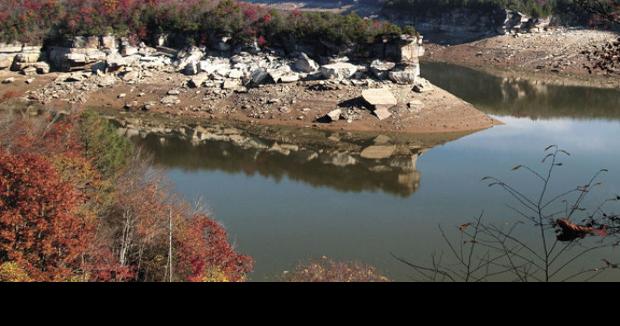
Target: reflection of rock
x=378 y=152
x=405 y=163
x=516 y=89
x=381 y=163
x=340 y=159
x=382 y=140
x=410 y=180
x=284 y=149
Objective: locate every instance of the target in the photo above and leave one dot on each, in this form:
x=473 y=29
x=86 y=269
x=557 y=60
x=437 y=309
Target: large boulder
x=65 y=59
x=235 y=73
x=231 y=84
x=279 y=73
x=333 y=115
x=379 y=98
x=338 y=71
x=198 y=80
x=131 y=76
x=305 y=64
x=213 y=66
x=382 y=113
x=6 y=60
x=189 y=56
x=404 y=76
x=422 y=85
x=191 y=68
x=127 y=50
x=289 y=78
x=42 y=67
x=84 y=42
x=109 y=42
x=404 y=49
x=258 y=76
x=11 y=48
x=28 y=57
x=115 y=61
x=381 y=68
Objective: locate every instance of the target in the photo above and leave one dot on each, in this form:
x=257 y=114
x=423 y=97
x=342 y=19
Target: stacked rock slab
x=23 y=58
x=404 y=51
x=8 y=53
x=82 y=52
x=381 y=100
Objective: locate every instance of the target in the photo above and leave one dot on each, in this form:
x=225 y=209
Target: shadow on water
x=522 y=98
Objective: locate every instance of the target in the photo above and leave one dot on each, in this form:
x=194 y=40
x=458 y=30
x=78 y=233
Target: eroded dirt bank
x=554 y=56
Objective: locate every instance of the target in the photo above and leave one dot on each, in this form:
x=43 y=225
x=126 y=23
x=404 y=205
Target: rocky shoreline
x=252 y=85
x=552 y=56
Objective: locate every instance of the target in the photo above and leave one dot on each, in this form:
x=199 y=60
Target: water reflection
x=341 y=170
x=521 y=98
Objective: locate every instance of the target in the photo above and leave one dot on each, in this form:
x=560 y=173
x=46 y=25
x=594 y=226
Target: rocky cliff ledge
x=252 y=84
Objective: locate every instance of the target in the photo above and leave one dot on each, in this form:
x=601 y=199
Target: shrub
x=109 y=151
x=328 y=270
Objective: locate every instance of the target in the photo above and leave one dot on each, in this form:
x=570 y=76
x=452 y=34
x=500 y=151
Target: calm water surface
x=281 y=211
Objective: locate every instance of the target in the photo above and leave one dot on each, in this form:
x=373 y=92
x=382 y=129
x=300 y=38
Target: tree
x=109 y=151
x=204 y=253
x=41 y=226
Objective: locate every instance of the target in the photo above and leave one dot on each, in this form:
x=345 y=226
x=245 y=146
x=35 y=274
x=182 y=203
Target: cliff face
x=466 y=24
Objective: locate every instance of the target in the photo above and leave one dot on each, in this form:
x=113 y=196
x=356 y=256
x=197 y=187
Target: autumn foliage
x=41 y=226
x=197 y=22
x=70 y=211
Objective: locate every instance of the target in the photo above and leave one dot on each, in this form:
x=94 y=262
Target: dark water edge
x=282 y=208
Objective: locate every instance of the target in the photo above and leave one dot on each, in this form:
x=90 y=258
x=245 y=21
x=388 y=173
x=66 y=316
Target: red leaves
x=569 y=231
x=40 y=225
x=266 y=18
x=52 y=199
x=250 y=14
x=262 y=41
x=203 y=247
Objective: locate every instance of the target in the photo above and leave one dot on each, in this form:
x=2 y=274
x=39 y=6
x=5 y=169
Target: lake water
x=282 y=211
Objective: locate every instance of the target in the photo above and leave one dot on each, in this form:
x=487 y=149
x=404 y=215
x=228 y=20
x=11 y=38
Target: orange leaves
x=569 y=231
x=463 y=227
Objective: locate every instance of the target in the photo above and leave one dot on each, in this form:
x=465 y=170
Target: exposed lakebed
x=286 y=198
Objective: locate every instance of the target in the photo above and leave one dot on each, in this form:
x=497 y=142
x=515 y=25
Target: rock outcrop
x=338 y=70
x=467 y=24
x=23 y=58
